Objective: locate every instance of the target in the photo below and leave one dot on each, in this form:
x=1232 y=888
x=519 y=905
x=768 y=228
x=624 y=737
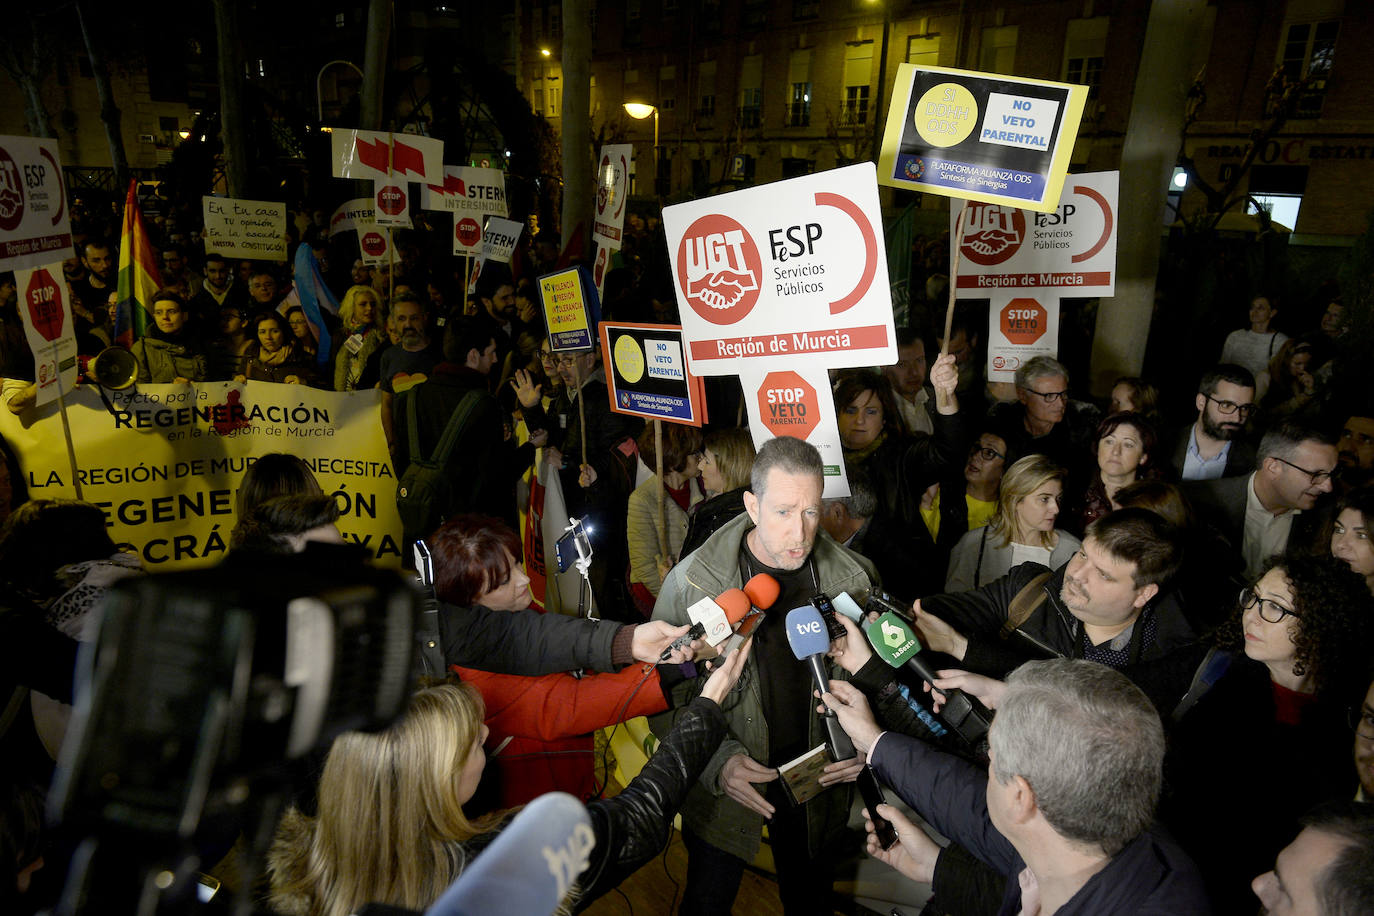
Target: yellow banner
x=166 y=462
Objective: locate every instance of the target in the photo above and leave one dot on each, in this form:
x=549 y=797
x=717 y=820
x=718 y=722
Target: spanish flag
x=139 y=277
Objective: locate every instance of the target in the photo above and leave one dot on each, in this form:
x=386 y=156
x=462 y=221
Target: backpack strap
x=1025 y=603
x=412 y=423
x=455 y=426
x=1213 y=666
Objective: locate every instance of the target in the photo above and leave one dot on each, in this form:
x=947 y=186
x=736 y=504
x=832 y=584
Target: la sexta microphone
x=895 y=644
x=529 y=867
x=807 y=635
x=713 y=620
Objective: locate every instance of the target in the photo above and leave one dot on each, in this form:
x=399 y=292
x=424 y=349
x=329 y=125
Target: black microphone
x=806 y=634
x=895 y=644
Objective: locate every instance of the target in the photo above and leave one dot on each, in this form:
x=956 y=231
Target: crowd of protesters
x=1169 y=606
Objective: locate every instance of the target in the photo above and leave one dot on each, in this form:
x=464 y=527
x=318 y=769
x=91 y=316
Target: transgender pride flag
x=314 y=296
x=139 y=277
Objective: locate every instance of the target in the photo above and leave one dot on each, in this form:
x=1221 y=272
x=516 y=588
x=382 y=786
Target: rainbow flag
x=139 y=277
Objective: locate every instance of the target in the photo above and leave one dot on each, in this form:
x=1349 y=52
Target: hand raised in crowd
x=526 y=391
x=914 y=853
x=937 y=635
x=851 y=706
x=650 y=639
x=738 y=778
x=726 y=674
x=851 y=651
x=944 y=375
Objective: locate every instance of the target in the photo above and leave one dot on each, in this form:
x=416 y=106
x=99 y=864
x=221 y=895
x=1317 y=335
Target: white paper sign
x=379 y=154
x=1071 y=250
x=612 y=191
x=789 y=273
x=391 y=202
x=47 y=317
x=1022 y=324
x=345 y=218
x=34 y=224
x=797 y=402
x=470 y=191
x=374 y=242
x=253 y=229
x=499 y=237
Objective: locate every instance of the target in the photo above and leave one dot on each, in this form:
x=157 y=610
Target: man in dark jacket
x=480 y=469
x=1064 y=812
x=1110 y=604
x=1214 y=445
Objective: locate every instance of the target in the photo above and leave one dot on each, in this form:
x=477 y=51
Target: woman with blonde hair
x=1022 y=529
x=363 y=334
x=391 y=827
x=726 y=461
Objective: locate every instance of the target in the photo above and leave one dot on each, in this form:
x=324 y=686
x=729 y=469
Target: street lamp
x=639 y=111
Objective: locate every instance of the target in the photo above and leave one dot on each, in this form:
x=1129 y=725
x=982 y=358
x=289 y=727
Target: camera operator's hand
x=914 y=853
x=937 y=635
x=851 y=651
x=726 y=674
x=650 y=639
x=851 y=706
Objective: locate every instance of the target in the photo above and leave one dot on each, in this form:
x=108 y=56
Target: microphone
x=529 y=867
x=850 y=608
x=807 y=635
x=761 y=590
x=895 y=644
x=713 y=619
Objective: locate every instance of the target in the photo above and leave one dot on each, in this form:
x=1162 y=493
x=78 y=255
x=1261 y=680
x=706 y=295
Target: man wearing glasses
x=1268 y=512
x=1214 y=445
x=1045 y=420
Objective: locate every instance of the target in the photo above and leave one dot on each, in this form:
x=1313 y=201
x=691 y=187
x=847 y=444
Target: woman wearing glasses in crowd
x=1263 y=734
x=1125 y=449
x=962 y=501
x=1021 y=531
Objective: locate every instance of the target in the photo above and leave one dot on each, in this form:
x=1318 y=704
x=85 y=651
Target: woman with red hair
x=539 y=727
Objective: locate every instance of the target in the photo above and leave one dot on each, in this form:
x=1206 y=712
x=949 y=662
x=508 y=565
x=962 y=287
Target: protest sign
x=374 y=242
x=47 y=316
x=612 y=191
x=980 y=136
x=795 y=268
x=499 y=238
x=1071 y=250
x=166 y=465
x=571 y=309
x=470 y=191
x=379 y=154
x=345 y=218
x=391 y=202
x=34 y=225
x=467 y=235
x=1022 y=324
x=253 y=229
x=646 y=374
x=797 y=402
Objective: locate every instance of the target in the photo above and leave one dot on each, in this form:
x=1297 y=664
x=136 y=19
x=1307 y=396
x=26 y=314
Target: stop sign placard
x=391 y=199
x=467 y=232
x=373 y=244
x=1024 y=321
x=44 y=299
x=788 y=405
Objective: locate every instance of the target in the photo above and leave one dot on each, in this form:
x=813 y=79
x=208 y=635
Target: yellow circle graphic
x=629 y=359
x=946 y=115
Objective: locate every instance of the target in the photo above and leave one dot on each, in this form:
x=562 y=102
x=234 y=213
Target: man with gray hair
x=1065 y=812
x=1044 y=420
x=1270 y=510
x=772 y=723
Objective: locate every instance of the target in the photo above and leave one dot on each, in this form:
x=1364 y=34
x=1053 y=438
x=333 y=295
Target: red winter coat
x=541 y=726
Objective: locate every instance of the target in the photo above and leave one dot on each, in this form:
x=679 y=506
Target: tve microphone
x=807 y=636
x=895 y=644
x=529 y=867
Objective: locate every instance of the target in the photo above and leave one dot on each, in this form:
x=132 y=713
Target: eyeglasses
x=1269 y=609
x=1050 y=397
x=987 y=454
x=1362 y=721
x=1227 y=408
x=1317 y=477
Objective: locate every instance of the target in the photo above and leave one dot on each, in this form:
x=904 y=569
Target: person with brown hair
x=681 y=490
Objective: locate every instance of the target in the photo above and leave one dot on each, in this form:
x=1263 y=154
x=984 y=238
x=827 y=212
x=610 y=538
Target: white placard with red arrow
x=379 y=154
